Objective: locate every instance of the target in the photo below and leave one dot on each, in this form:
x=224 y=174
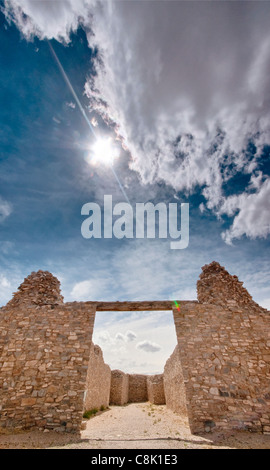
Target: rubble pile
x=217 y=286
x=39 y=288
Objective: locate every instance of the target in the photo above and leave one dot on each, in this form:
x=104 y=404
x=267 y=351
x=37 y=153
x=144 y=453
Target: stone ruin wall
x=174 y=386
x=137 y=388
x=119 y=388
x=224 y=344
x=44 y=354
x=155 y=389
x=98 y=381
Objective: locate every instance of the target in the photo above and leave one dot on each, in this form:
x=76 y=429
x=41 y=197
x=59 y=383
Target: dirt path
x=136 y=426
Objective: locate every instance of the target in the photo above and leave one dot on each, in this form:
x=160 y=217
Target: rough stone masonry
x=219 y=373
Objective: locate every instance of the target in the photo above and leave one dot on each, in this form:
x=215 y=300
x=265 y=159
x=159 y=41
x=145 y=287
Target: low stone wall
x=137 y=391
x=98 y=382
x=174 y=387
x=119 y=388
x=155 y=389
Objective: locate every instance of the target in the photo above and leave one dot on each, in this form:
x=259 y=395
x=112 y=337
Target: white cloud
x=148 y=346
x=5 y=209
x=70 y=104
x=253 y=217
x=185 y=84
x=120 y=336
x=91 y=289
x=4 y=282
x=5 y=289
x=127 y=337
x=130 y=335
x=47 y=19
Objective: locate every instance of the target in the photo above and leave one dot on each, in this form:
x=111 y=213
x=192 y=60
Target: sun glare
x=103 y=151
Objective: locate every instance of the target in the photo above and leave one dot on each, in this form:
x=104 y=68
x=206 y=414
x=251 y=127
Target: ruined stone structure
x=155 y=389
x=98 y=381
x=44 y=355
x=119 y=388
x=137 y=388
x=224 y=344
x=219 y=373
x=174 y=386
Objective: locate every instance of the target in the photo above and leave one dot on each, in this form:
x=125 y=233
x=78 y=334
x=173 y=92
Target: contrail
x=120 y=185
x=83 y=111
x=71 y=88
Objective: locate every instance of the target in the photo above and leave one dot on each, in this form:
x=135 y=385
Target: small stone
x=83 y=425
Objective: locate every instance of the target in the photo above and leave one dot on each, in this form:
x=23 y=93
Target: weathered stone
x=119 y=388
x=218 y=373
x=137 y=390
x=155 y=389
x=174 y=387
x=98 y=382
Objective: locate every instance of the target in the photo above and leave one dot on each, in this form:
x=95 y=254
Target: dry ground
x=136 y=426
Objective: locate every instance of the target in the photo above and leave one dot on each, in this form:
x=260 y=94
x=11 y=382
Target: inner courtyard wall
x=174 y=386
x=119 y=388
x=137 y=388
x=98 y=381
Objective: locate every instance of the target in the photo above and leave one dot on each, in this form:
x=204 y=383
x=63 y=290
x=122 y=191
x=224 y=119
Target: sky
x=182 y=90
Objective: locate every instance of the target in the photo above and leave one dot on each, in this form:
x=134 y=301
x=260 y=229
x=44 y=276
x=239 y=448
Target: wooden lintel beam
x=135 y=306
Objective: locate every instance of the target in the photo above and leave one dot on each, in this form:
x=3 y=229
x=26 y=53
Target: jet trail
x=82 y=111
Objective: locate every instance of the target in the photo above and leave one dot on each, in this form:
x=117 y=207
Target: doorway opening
x=135 y=360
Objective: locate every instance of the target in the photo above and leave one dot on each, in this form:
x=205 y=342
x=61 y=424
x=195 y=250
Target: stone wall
x=137 y=390
x=224 y=349
x=98 y=382
x=155 y=389
x=174 y=386
x=44 y=355
x=223 y=346
x=119 y=388
x=216 y=286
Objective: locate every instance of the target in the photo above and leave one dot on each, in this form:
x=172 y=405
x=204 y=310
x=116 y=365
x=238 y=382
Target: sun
x=103 y=151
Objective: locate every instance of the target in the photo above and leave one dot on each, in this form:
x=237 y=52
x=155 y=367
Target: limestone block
x=119 y=387
x=155 y=389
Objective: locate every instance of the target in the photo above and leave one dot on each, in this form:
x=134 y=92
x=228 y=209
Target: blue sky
x=190 y=108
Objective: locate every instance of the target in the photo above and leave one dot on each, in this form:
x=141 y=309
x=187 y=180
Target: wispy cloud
x=5 y=209
x=148 y=346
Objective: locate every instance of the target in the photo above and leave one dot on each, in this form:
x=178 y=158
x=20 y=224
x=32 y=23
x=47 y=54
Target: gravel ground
x=135 y=426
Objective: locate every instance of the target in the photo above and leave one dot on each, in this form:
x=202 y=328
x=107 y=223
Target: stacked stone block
x=174 y=386
x=119 y=388
x=224 y=349
x=155 y=389
x=137 y=389
x=219 y=374
x=98 y=382
x=44 y=355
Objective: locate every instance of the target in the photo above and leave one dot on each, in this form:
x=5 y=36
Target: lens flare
x=177 y=305
x=103 y=151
